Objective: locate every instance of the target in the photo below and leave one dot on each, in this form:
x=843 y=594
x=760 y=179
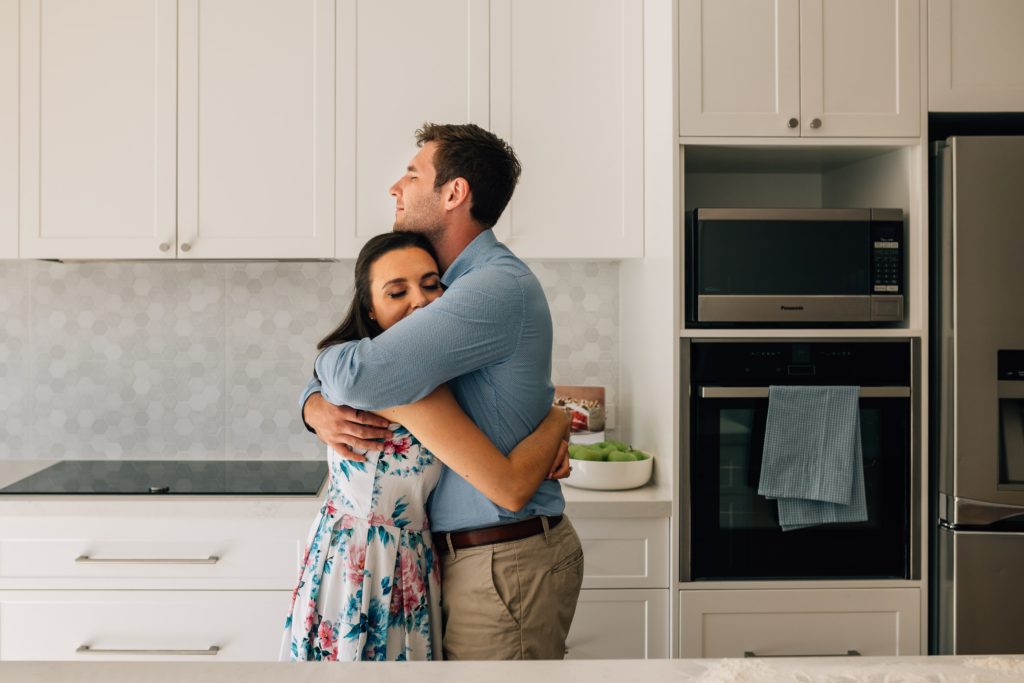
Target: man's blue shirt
x=489 y=337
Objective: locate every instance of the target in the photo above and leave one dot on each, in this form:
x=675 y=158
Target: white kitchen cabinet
x=256 y=129
x=619 y=624
x=142 y=625
x=401 y=63
x=8 y=129
x=623 y=609
x=813 y=68
x=561 y=81
x=150 y=579
x=975 y=55
x=739 y=67
x=795 y=623
x=97 y=128
x=624 y=553
x=567 y=93
x=199 y=129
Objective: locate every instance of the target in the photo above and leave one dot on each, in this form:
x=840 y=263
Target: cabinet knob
x=164 y=246
x=793 y=122
x=185 y=246
x=815 y=123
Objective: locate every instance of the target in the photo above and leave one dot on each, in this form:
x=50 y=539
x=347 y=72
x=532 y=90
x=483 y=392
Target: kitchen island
x=981 y=669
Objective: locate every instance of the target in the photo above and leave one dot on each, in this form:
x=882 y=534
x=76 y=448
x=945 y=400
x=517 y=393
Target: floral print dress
x=370 y=584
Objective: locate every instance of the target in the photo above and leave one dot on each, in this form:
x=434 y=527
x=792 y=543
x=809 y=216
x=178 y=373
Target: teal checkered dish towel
x=812 y=462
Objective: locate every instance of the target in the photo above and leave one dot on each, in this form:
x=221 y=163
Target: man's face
x=418 y=206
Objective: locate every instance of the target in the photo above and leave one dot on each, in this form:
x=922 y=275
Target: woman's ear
x=370 y=313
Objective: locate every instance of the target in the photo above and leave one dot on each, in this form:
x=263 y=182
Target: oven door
x=735 y=532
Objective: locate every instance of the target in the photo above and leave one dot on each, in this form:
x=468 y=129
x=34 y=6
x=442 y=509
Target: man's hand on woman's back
x=343 y=428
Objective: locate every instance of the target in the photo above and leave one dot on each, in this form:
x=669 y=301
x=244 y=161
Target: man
x=511 y=580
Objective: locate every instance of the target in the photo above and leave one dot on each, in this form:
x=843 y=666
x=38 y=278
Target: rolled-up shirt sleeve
x=477 y=322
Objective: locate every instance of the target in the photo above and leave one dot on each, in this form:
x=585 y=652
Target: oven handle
x=762 y=392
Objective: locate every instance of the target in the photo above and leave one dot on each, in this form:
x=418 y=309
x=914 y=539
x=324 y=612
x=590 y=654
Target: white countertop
x=981 y=669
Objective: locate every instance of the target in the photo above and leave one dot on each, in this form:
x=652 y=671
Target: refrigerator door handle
x=968 y=512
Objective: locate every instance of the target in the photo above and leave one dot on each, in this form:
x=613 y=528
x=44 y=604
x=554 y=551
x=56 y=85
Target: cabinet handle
x=185 y=246
x=815 y=123
x=793 y=122
x=85 y=559
x=86 y=650
x=848 y=653
x=164 y=246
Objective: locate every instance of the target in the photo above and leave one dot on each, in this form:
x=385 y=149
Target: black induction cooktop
x=175 y=477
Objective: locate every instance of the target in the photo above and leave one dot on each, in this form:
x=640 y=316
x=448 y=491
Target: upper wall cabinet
x=975 y=55
x=400 y=63
x=97 y=127
x=812 y=68
x=8 y=129
x=256 y=129
x=189 y=129
x=567 y=93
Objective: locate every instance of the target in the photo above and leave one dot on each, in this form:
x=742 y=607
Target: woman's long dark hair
x=357 y=323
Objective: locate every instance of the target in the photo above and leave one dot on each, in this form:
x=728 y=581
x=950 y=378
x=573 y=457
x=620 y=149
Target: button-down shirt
x=489 y=337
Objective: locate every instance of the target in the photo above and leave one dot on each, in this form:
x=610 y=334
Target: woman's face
x=402 y=281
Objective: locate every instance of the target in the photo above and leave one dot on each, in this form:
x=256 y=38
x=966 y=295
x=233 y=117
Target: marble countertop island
x=978 y=669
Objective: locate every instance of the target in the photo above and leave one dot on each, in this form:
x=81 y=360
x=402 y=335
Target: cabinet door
x=975 y=55
x=400 y=63
x=8 y=129
x=624 y=553
x=739 y=67
x=97 y=136
x=860 y=68
x=567 y=94
x=138 y=626
x=619 y=624
x=256 y=129
x=800 y=623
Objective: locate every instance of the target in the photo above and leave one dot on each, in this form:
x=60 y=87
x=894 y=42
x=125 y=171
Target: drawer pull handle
x=86 y=650
x=212 y=559
x=848 y=653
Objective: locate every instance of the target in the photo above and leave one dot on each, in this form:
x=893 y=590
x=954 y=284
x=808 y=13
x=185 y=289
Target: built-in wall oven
x=729 y=532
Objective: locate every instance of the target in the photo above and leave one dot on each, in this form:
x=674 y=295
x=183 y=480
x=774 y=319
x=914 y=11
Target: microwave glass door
x=735 y=531
x=791 y=258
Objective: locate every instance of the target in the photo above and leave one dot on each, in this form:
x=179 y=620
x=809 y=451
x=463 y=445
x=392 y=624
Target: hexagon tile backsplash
x=131 y=360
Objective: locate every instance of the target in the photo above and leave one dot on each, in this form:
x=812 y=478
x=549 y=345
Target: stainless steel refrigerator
x=978 y=324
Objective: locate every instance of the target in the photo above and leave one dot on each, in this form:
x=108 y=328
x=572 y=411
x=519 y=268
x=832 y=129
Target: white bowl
x=609 y=476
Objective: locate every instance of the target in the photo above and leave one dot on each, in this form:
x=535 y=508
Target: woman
x=370 y=582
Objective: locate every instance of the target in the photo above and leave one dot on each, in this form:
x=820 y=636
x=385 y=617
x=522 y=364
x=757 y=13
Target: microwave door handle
x=762 y=392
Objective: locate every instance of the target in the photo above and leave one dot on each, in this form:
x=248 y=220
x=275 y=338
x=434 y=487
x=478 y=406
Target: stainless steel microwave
x=794 y=267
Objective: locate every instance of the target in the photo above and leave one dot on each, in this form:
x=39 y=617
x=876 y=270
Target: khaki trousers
x=512 y=600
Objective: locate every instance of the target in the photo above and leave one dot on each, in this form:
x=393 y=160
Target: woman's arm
x=444 y=429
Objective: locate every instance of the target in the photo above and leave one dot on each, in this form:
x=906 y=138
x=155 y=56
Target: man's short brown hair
x=486 y=162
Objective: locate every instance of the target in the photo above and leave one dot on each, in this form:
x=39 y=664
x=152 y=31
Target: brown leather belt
x=493 y=534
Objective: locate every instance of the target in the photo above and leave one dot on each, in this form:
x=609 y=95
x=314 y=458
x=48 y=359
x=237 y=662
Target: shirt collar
x=469 y=257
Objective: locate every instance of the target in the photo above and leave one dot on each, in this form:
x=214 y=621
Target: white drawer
x=167 y=554
x=54 y=625
x=624 y=553
x=794 y=623
x=620 y=624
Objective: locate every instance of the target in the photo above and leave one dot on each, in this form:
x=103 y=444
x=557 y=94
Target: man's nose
x=394 y=190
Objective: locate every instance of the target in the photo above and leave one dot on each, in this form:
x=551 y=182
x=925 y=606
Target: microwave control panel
x=886 y=258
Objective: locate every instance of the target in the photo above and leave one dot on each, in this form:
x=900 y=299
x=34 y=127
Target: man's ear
x=458 y=193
